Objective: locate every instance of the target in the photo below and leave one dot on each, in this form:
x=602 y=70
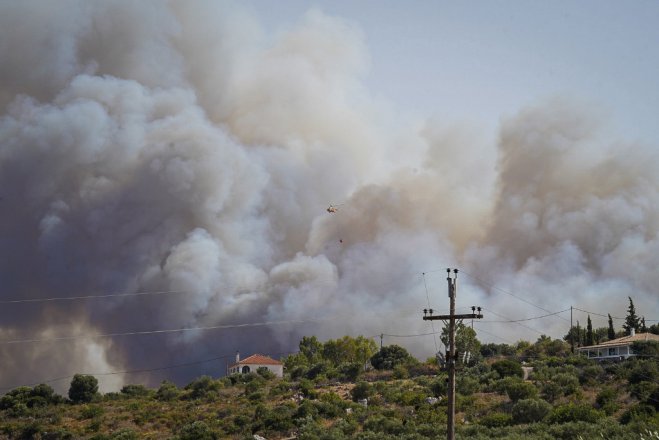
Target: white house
x=620 y=348
x=254 y=362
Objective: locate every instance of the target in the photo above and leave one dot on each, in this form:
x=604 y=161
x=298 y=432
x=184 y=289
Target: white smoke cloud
x=177 y=147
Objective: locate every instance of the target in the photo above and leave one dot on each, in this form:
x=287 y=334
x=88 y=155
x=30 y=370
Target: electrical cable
x=150 y=332
x=71 y=298
x=612 y=317
x=530 y=319
x=511 y=294
x=511 y=321
x=144 y=370
x=432 y=324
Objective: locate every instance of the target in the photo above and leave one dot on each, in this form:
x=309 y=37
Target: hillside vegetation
x=322 y=397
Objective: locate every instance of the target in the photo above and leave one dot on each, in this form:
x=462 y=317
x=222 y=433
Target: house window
x=245 y=369
x=612 y=351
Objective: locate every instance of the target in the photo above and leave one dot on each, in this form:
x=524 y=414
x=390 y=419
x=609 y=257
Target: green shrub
x=91 y=411
x=281 y=388
x=606 y=400
x=257 y=396
x=508 y=368
x=83 y=388
x=572 y=412
x=390 y=356
x=382 y=424
x=496 y=420
x=279 y=419
x=530 y=411
x=307 y=388
x=254 y=386
x=135 y=391
x=467 y=385
x=347 y=427
x=203 y=387
x=591 y=375
x=198 y=430
x=644 y=371
x=551 y=391
x=439 y=387
x=639 y=412
x=362 y=390
x=400 y=372
x=124 y=434
x=298 y=372
x=306 y=410
x=349 y=371
x=643 y=390
x=329 y=410
x=167 y=391
x=265 y=373
x=517 y=389
x=569 y=384
x=318 y=369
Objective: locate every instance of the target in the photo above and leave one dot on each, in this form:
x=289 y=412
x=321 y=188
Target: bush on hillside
x=167 y=391
x=390 y=356
x=203 y=387
x=574 y=412
x=83 y=388
x=136 y=391
x=530 y=411
x=508 y=368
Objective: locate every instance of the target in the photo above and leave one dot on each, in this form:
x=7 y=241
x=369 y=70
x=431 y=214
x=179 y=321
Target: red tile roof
x=258 y=359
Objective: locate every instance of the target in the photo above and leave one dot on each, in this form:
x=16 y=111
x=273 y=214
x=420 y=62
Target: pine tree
x=589 y=332
x=612 y=332
x=631 y=321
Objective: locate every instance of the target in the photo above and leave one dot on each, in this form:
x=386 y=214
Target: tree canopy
x=83 y=388
x=632 y=321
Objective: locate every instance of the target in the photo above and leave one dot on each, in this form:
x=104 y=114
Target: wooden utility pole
x=451 y=355
x=571 y=333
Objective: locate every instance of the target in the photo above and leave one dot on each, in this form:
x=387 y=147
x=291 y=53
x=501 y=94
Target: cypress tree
x=589 y=332
x=612 y=332
x=579 y=335
x=631 y=321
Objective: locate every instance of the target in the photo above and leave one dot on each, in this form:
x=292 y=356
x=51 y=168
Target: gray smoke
x=176 y=147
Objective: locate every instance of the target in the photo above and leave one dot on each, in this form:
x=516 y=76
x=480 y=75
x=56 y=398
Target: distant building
x=254 y=362
x=615 y=349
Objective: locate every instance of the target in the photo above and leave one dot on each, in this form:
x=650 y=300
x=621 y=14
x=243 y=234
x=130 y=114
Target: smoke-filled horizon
x=177 y=147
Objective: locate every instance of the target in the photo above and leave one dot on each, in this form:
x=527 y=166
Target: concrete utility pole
x=450 y=355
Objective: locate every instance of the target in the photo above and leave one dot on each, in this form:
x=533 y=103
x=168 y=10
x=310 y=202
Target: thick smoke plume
x=176 y=147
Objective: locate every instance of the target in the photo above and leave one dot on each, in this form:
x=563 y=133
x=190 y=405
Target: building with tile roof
x=254 y=362
x=616 y=349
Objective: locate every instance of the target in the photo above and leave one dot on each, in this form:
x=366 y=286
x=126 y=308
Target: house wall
x=608 y=352
x=278 y=370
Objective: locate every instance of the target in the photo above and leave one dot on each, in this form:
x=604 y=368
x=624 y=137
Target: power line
x=492 y=334
x=432 y=324
x=150 y=332
x=411 y=335
x=144 y=370
x=511 y=321
x=71 y=298
x=612 y=317
x=530 y=319
x=511 y=294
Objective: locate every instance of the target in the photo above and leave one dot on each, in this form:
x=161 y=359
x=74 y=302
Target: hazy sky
x=477 y=61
